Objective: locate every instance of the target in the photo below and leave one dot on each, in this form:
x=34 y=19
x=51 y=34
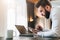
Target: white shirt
x=55 y=17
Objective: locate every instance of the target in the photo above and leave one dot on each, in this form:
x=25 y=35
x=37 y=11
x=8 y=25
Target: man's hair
x=43 y=3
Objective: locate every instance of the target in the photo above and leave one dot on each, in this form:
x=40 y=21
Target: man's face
x=41 y=12
x=44 y=12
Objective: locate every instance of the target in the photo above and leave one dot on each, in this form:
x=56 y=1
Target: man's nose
x=42 y=13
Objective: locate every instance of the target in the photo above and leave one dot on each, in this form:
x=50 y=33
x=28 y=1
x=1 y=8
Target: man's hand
x=34 y=31
x=37 y=29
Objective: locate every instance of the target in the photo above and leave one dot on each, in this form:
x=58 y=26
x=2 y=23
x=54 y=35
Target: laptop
x=22 y=31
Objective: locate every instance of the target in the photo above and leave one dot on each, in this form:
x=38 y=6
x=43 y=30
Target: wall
x=16 y=15
x=12 y=12
x=55 y=3
x=3 y=17
x=21 y=13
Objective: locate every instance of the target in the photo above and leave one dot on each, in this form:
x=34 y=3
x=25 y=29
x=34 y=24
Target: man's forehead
x=40 y=8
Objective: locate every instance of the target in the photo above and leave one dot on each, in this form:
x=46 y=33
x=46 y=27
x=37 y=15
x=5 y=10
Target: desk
x=32 y=38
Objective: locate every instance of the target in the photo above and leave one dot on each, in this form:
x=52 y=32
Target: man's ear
x=47 y=7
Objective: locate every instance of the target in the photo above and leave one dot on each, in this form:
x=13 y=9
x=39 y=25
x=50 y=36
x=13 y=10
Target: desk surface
x=31 y=38
x=34 y=38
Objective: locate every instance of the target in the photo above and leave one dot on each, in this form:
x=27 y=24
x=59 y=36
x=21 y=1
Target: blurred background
x=20 y=12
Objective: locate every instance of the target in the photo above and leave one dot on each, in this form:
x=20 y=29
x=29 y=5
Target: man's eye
x=40 y=10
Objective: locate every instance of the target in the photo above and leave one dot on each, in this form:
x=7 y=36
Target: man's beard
x=47 y=14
